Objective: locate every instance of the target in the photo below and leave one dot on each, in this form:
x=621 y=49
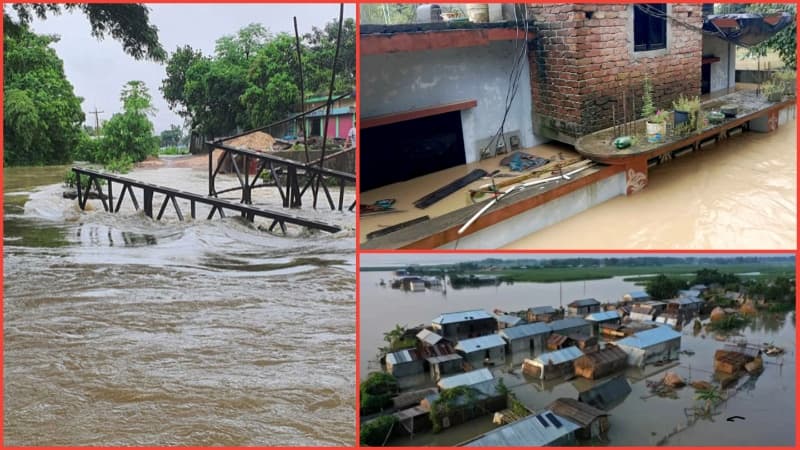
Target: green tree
x=174 y=86
x=171 y=137
x=212 y=93
x=376 y=392
x=129 y=135
x=783 y=42
x=375 y=432
x=42 y=116
x=239 y=48
x=663 y=287
x=319 y=58
x=127 y=23
x=272 y=91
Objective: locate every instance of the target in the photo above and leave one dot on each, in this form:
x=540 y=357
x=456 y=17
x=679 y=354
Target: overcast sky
x=389 y=259
x=99 y=69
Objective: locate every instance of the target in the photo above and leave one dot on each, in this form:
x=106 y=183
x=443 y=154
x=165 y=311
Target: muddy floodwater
x=738 y=194
x=767 y=401
x=120 y=330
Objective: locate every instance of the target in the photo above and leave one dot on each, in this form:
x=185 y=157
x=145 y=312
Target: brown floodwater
x=767 y=401
x=738 y=194
x=120 y=330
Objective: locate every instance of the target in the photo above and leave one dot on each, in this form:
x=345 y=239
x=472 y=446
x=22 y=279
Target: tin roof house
x=455 y=326
x=583 y=307
x=404 y=363
x=529 y=339
x=479 y=351
x=544 y=429
x=543 y=314
x=548 y=366
x=657 y=344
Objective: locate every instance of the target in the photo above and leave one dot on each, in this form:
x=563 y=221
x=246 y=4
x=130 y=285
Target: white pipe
x=515 y=187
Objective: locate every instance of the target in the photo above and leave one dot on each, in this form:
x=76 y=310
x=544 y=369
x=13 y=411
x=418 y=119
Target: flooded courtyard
x=766 y=401
x=121 y=330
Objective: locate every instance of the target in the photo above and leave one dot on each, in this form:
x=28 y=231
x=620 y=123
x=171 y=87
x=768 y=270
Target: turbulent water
x=120 y=330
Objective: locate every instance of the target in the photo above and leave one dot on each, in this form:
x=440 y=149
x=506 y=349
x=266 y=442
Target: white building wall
x=404 y=81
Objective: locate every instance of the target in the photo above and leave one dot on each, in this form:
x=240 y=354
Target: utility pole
x=96 y=120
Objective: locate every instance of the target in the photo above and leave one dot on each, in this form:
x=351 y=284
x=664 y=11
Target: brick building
x=585 y=55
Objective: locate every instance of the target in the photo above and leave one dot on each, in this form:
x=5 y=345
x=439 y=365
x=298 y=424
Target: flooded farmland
x=766 y=401
x=120 y=330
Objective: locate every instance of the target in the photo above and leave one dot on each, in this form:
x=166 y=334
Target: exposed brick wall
x=580 y=65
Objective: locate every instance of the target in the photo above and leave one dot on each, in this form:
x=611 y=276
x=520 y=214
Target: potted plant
x=656 y=119
x=686 y=109
x=773 y=91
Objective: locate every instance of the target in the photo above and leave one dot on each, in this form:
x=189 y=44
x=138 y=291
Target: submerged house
x=479 y=351
x=583 y=307
x=603 y=318
x=544 y=314
x=601 y=363
x=544 y=429
x=638 y=296
x=658 y=344
x=483 y=398
x=404 y=363
x=548 y=366
x=506 y=320
x=571 y=325
x=459 y=325
x=608 y=394
x=530 y=338
x=593 y=421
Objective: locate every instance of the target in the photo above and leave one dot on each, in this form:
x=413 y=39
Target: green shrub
x=374 y=432
x=377 y=391
x=120 y=164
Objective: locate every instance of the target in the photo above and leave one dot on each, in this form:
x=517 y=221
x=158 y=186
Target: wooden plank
x=386 y=119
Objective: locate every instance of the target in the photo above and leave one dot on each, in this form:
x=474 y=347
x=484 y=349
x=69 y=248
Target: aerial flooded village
x=657 y=354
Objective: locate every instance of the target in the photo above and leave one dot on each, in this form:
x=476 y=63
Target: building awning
x=746 y=30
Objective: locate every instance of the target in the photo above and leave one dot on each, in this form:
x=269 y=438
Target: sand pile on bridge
x=258 y=141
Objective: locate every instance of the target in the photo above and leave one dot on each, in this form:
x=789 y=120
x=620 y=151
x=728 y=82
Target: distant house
x=342 y=117
x=647 y=310
x=483 y=350
x=584 y=342
x=548 y=366
x=639 y=296
x=466 y=379
x=583 y=307
x=544 y=429
x=464 y=324
x=690 y=293
x=684 y=308
x=506 y=320
x=530 y=337
x=607 y=395
x=701 y=288
x=593 y=421
x=601 y=363
x=658 y=344
x=544 y=314
x=571 y=325
x=404 y=363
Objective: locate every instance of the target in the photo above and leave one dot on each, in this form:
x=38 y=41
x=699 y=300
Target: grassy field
x=550 y=275
x=631 y=273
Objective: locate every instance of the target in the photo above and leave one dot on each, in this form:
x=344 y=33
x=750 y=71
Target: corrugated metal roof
x=686 y=300
x=429 y=337
x=584 y=302
x=570 y=322
x=443 y=358
x=601 y=316
x=466 y=379
x=542 y=310
x=480 y=343
x=402 y=356
x=581 y=413
x=608 y=394
x=560 y=356
x=649 y=338
x=528 y=432
x=462 y=316
x=527 y=330
x=689 y=293
x=638 y=294
x=508 y=319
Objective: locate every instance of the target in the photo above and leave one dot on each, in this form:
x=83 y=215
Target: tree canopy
x=42 y=115
x=253 y=77
x=127 y=23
